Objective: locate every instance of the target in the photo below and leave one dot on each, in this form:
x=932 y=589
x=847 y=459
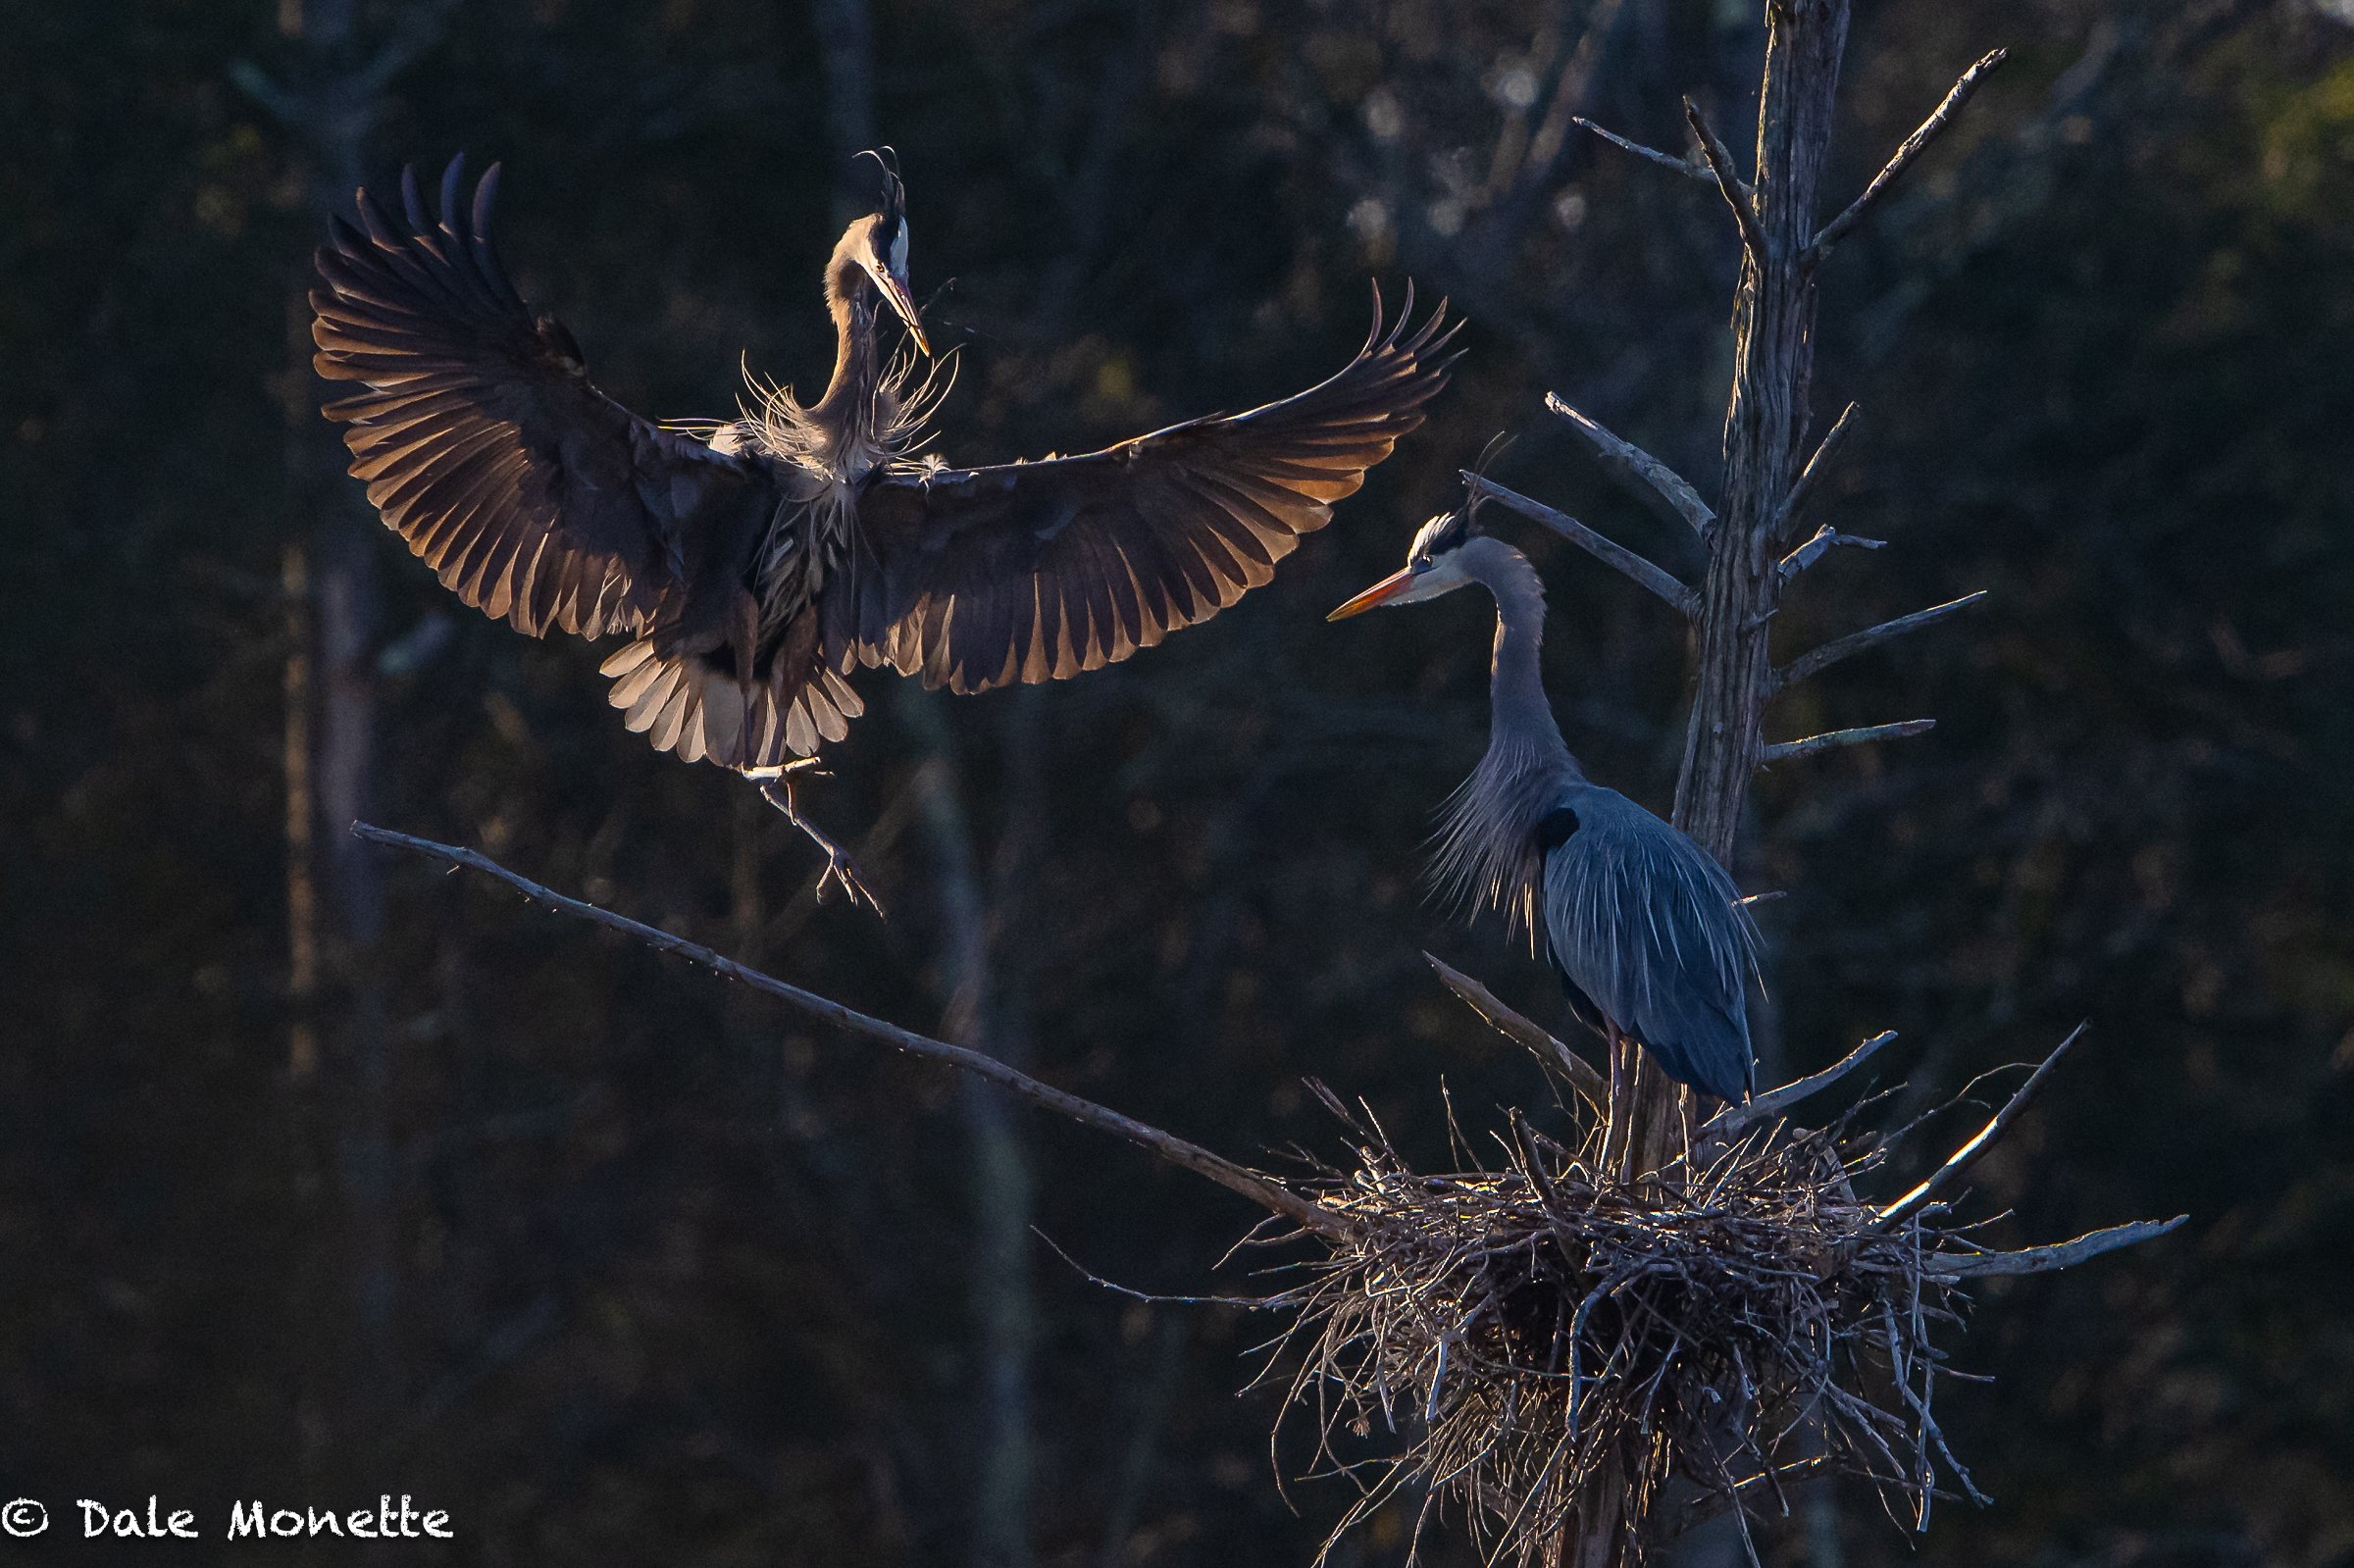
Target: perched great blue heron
x=1646 y=931
x=755 y=568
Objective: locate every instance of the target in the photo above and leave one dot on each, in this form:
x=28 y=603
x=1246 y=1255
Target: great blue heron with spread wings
x=755 y=568
x=1646 y=931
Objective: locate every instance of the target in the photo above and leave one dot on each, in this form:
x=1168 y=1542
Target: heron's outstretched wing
x=1038 y=570
x=533 y=496
x=1651 y=933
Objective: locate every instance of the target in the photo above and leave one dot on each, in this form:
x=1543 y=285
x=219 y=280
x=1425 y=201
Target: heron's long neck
x=848 y=412
x=1522 y=732
x=1487 y=847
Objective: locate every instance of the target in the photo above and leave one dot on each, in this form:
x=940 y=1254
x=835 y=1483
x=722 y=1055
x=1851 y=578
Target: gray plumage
x=1643 y=928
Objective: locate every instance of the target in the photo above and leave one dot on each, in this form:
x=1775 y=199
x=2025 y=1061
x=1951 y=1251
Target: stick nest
x=1541 y=1334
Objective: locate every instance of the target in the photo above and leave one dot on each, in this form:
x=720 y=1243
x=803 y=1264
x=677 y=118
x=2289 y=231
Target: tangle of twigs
x=1502 y=1340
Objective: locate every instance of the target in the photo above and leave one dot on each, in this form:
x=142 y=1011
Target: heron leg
x=840 y=867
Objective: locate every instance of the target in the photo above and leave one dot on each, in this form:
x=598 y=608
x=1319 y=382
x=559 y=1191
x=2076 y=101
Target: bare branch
x=2045 y=1259
x=1957 y=1163
x=1645 y=476
x=1734 y=1120
x=1839 y=227
x=1691 y=166
x=1816 y=466
x=1737 y=195
x=1817 y=660
x=1176 y=1151
x=1818 y=545
x=1538 y=1040
x=1791 y=750
x=1655 y=577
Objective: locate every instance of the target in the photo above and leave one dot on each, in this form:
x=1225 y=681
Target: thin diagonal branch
x=1957 y=1163
x=1818 y=465
x=1818 y=545
x=1734 y=1120
x=1643 y=476
x=1688 y=164
x=1608 y=551
x=1736 y=195
x=1839 y=227
x=1538 y=1040
x=1814 y=662
x=1834 y=741
x=1176 y=1151
x=2045 y=1259
x=1691 y=166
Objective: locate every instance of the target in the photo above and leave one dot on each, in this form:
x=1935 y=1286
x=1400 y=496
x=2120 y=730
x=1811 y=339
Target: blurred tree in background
x=614 y=1265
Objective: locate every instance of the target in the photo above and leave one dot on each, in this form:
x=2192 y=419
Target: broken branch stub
x=1644 y=477
x=1737 y=196
x=1838 y=739
x=1962 y=91
x=1815 y=661
x=1734 y=1120
x=1819 y=544
x=1610 y=552
x=1692 y=166
x=2055 y=1255
x=1818 y=464
x=1957 y=1165
x=1538 y=1040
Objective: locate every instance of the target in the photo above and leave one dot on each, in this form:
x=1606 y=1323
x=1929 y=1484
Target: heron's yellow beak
x=903 y=305
x=1374 y=597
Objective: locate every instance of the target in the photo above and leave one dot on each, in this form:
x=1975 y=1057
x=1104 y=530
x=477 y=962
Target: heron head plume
x=877 y=244
x=1448 y=551
x=1434 y=565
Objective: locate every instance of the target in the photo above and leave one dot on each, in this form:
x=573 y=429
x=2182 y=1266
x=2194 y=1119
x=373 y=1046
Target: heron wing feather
x=535 y=497
x=1038 y=570
x=1648 y=932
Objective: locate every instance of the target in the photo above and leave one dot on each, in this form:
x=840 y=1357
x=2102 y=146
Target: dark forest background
x=324 y=1175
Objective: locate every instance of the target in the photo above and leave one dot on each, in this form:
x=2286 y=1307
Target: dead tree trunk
x=1748 y=539
x=1773 y=367
x=1774 y=371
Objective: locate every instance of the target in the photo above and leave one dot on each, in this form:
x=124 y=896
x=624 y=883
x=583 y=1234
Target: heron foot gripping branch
x=777 y=790
x=724 y=549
